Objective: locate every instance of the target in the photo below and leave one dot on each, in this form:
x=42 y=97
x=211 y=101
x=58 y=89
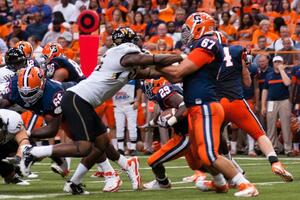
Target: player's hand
x=162 y=121
x=12 y=160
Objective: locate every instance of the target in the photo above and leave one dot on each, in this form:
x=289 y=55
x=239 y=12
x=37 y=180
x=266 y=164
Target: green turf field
x=49 y=185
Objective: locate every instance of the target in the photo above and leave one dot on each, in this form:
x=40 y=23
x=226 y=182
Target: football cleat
x=206 y=186
x=112 y=182
x=97 y=175
x=60 y=169
x=246 y=190
x=32 y=175
x=278 y=169
x=198 y=175
x=26 y=161
x=155 y=185
x=133 y=173
x=75 y=189
x=16 y=180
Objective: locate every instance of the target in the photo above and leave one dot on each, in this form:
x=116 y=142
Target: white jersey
x=126 y=95
x=108 y=78
x=12 y=123
x=5 y=74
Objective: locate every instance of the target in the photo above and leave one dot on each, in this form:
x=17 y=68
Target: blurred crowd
x=269 y=28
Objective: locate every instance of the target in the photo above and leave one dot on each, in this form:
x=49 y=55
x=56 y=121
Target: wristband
x=152 y=123
x=172 y=121
x=143 y=105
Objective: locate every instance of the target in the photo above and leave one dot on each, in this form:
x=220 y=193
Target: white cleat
x=154 y=185
x=246 y=190
x=198 y=175
x=32 y=175
x=133 y=173
x=75 y=189
x=279 y=170
x=60 y=169
x=112 y=182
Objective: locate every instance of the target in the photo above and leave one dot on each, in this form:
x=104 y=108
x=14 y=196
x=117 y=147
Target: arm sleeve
x=201 y=57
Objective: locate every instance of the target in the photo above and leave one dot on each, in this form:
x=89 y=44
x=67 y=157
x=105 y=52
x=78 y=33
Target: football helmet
x=15 y=59
x=197 y=25
x=151 y=87
x=123 y=34
x=31 y=81
x=52 y=50
x=26 y=47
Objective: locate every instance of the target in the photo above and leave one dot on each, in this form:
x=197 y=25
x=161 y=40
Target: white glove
x=162 y=121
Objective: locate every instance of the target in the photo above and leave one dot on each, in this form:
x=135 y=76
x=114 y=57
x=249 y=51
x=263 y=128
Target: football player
x=118 y=66
x=27 y=49
x=168 y=96
x=199 y=72
x=59 y=67
x=14 y=60
x=13 y=137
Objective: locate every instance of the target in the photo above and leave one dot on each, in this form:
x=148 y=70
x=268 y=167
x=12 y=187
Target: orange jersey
x=169 y=41
x=228 y=29
x=166 y=14
x=271 y=37
x=139 y=28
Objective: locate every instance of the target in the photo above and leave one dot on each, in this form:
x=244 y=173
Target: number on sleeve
x=227 y=57
x=207 y=43
x=76 y=66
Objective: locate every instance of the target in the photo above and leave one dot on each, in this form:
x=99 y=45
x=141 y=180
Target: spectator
x=65 y=40
x=17 y=31
x=284 y=32
x=82 y=5
x=44 y=9
x=246 y=28
x=261 y=46
x=36 y=26
x=107 y=45
x=116 y=4
x=55 y=32
x=269 y=11
x=151 y=28
x=278 y=22
x=229 y=30
x=69 y=11
x=95 y=5
x=108 y=31
x=180 y=16
x=37 y=49
x=12 y=42
x=162 y=34
x=290 y=59
x=275 y=102
x=166 y=13
x=6 y=10
x=138 y=25
x=286 y=13
x=21 y=12
x=117 y=19
x=264 y=30
x=171 y=32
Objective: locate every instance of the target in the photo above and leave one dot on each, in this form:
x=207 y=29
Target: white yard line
x=53 y=195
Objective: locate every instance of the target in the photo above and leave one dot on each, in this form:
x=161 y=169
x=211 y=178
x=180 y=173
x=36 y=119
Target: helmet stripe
x=26 y=78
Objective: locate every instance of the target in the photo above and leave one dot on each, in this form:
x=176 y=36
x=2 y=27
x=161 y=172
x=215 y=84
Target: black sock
x=273 y=159
x=164 y=181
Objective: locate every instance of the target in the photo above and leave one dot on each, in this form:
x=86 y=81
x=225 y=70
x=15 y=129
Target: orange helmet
x=196 y=25
x=26 y=47
x=151 y=87
x=52 y=50
x=31 y=82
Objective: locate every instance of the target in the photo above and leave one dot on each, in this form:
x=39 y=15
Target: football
x=167 y=114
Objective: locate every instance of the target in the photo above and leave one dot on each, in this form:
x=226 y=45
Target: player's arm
x=194 y=61
x=141 y=59
x=148 y=72
x=60 y=74
x=4 y=103
x=48 y=131
x=246 y=75
x=264 y=102
x=22 y=140
x=176 y=101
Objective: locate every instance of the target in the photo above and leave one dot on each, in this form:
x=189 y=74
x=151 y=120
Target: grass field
x=49 y=185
